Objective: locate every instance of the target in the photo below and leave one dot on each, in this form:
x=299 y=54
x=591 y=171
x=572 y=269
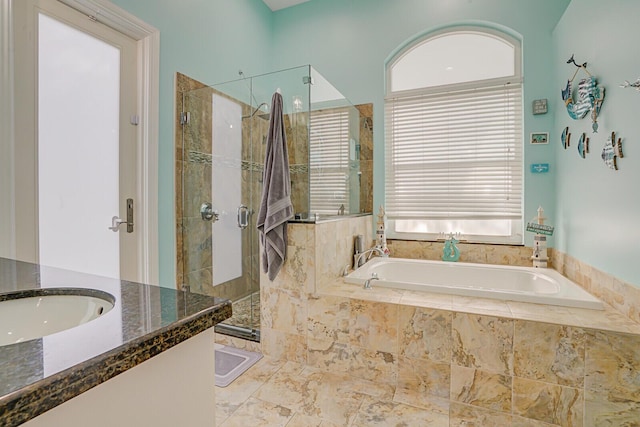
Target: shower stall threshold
x=238 y=332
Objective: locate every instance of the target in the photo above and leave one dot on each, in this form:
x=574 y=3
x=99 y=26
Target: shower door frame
x=198 y=119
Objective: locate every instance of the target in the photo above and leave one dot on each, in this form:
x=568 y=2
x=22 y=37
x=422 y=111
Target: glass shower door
x=217 y=238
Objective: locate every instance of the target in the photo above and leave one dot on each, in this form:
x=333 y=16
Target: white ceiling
x=281 y=4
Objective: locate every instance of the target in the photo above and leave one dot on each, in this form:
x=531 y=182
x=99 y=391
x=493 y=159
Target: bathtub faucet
x=367 y=283
x=369 y=252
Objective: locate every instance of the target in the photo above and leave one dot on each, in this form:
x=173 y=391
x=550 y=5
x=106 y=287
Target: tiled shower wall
x=193 y=170
x=366 y=157
x=193 y=236
x=487 y=369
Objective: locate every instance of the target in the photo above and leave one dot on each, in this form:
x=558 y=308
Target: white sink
x=36 y=313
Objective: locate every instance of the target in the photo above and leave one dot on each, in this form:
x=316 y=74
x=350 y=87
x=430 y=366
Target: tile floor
x=289 y=394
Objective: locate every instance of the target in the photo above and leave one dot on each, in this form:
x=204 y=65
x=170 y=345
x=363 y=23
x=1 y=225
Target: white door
x=76 y=160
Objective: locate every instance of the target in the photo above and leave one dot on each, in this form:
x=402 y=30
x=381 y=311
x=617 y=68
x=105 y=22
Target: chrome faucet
x=370 y=252
x=367 y=283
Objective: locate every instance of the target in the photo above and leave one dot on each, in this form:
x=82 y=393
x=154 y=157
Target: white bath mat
x=231 y=362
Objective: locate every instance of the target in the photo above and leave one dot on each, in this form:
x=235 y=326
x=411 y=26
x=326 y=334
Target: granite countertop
x=40 y=374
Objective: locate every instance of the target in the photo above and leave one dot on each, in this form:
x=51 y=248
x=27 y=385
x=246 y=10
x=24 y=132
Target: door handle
x=243 y=216
x=116 y=221
x=207 y=213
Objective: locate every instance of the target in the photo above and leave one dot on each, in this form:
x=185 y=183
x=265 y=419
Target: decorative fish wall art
x=611 y=151
x=635 y=85
x=590 y=96
x=565 y=138
x=583 y=145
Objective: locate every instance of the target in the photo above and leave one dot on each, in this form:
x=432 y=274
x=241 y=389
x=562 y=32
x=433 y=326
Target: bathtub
x=525 y=284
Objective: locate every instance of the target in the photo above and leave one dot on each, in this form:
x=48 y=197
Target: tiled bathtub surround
x=623 y=296
x=469 y=252
x=478 y=361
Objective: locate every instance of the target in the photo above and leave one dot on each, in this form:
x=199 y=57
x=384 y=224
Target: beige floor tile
x=420 y=400
x=385 y=413
x=258 y=413
x=300 y=420
x=230 y=398
x=313 y=393
x=472 y=416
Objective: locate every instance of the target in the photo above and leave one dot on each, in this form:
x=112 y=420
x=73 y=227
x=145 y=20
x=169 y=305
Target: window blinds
x=455 y=155
x=329 y=161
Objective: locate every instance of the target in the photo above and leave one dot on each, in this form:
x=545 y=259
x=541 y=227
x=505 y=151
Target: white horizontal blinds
x=455 y=155
x=329 y=161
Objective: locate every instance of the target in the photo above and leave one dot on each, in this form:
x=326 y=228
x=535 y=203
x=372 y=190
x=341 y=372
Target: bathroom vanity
x=148 y=360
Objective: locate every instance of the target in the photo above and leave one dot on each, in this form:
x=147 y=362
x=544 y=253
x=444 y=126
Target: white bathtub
x=525 y=284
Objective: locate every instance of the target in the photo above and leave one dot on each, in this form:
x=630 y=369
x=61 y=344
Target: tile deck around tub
x=608 y=319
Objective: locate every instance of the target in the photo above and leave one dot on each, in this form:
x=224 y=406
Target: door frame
x=148 y=40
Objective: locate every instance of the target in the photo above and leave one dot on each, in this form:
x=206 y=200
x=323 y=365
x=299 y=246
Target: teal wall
x=346 y=41
x=209 y=40
x=349 y=41
x=597 y=209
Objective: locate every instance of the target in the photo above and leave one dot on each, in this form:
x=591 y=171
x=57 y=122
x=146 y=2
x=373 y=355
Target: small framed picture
x=539 y=138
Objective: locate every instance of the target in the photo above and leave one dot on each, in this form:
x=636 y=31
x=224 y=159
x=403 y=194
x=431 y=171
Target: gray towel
x=275 y=207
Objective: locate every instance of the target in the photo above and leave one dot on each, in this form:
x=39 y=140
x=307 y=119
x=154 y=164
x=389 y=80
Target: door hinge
x=134 y=120
x=307 y=80
x=185 y=118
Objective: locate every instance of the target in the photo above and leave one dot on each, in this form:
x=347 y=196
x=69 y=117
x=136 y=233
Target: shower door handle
x=243 y=216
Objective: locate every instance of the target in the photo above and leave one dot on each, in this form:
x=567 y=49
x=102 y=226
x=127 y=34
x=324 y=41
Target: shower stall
x=219 y=177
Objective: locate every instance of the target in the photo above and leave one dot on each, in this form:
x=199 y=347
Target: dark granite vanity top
x=40 y=374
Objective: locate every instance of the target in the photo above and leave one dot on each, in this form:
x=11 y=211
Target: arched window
x=453 y=137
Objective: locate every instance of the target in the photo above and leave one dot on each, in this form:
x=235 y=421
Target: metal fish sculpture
x=583 y=145
x=611 y=151
x=590 y=98
x=565 y=138
x=635 y=85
